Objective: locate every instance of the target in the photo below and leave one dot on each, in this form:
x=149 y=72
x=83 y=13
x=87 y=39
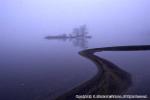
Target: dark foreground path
x=110 y=79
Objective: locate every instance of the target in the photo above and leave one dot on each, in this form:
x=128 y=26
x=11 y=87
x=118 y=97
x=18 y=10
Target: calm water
x=33 y=67
x=40 y=68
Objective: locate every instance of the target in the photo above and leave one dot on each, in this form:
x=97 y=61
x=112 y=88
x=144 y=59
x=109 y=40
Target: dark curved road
x=110 y=79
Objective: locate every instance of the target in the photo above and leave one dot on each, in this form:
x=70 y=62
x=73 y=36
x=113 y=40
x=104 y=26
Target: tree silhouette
x=78 y=36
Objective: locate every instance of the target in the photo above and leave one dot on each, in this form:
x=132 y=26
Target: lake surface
x=32 y=67
x=40 y=68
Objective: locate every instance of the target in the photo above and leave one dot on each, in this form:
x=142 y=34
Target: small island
x=79 y=37
x=80 y=32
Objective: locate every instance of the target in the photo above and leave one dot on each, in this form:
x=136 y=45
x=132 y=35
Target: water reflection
x=79 y=37
x=110 y=79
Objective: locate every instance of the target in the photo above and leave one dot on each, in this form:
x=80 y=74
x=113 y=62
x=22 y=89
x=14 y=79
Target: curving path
x=110 y=79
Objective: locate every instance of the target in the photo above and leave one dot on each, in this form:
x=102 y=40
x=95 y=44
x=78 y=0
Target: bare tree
x=83 y=30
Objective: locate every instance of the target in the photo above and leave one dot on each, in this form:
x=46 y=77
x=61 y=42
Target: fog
x=52 y=17
x=35 y=66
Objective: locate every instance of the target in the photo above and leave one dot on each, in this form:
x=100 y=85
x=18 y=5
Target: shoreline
x=110 y=79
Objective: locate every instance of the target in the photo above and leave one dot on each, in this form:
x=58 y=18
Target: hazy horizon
x=32 y=66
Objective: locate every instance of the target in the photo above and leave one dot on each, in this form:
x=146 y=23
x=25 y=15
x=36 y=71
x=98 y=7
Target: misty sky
x=55 y=16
